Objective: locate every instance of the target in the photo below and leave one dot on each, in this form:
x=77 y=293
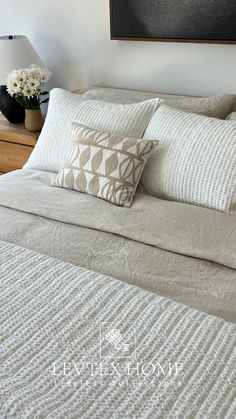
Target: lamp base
x=13 y=111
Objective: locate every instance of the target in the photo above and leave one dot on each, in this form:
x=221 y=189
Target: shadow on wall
x=58 y=59
x=63 y=55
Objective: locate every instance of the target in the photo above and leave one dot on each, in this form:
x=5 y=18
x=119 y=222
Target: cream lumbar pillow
x=54 y=142
x=105 y=165
x=195 y=162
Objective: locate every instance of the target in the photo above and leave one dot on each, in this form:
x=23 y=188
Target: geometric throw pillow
x=195 y=161
x=105 y=165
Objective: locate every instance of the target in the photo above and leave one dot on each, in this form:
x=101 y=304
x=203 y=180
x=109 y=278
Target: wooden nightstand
x=16 y=145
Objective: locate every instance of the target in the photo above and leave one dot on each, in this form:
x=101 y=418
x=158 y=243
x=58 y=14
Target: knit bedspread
x=78 y=344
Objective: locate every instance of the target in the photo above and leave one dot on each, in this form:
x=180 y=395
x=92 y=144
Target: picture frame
x=133 y=20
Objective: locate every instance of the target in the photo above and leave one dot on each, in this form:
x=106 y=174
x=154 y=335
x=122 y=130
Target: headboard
x=124 y=95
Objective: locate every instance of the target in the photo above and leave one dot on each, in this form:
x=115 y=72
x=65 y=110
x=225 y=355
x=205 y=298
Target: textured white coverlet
x=52 y=316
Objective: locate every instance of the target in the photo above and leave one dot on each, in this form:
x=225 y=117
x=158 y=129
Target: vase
x=10 y=108
x=33 y=120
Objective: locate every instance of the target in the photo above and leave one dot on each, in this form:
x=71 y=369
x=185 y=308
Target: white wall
x=72 y=37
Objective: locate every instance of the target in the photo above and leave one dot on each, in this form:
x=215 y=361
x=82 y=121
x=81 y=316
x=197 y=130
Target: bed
x=80 y=276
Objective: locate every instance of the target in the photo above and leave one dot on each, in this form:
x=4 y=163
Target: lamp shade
x=16 y=52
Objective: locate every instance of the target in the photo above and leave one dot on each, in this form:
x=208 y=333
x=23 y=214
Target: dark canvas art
x=183 y=20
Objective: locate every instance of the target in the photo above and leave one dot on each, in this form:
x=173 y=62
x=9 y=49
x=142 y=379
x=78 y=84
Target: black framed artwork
x=211 y=21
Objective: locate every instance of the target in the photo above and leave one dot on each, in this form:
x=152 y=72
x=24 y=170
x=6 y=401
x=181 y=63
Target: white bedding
x=80 y=344
x=60 y=360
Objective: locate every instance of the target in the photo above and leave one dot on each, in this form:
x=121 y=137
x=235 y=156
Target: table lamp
x=16 y=52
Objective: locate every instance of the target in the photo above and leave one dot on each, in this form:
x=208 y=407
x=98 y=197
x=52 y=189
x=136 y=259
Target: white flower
x=13 y=87
x=41 y=74
x=39 y=89
x=28 y=91
x=34 y=83
x=46 y=74
x=21 y=78
x=34 y=73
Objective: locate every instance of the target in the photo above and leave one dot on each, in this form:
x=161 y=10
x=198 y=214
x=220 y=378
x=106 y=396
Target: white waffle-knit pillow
x=195 y=161
x=65 y=108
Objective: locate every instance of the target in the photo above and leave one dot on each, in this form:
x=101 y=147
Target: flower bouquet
x=27 y=87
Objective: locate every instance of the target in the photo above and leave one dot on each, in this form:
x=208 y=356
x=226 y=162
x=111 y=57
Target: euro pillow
x=104 y=165
x=216 y=106
x=195 y=162
x=54 y=143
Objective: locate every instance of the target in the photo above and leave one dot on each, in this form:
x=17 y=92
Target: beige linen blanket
x=179 y=251
x=78 y=344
